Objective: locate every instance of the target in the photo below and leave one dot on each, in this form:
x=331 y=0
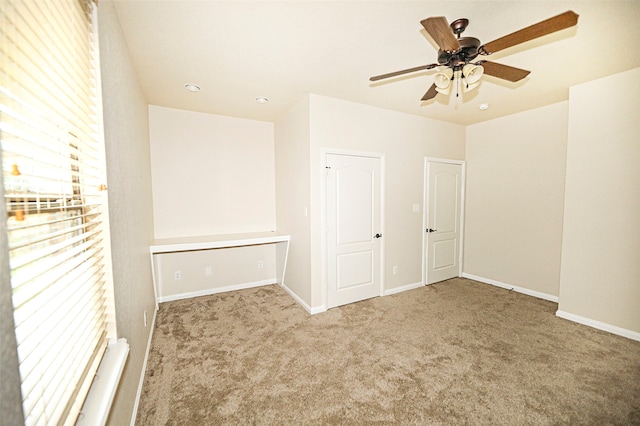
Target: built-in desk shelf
x=167 y=245
x=186 y=244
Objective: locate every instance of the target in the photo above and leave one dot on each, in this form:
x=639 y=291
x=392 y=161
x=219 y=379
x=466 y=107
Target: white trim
x=423 y=238
x=278 y=250
x=445 y=160
x=309 y=309
x=324 y=151
x=528 y=292
x=154 y=278
x=402 y=288
x=318 y=310
x=134 y=414
x=210 y=291
x=97 y=405
x=629 y=334
x=425 y=201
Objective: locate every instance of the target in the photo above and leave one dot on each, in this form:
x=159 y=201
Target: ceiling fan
x=457 y=53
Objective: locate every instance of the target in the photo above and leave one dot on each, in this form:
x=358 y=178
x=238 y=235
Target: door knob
x=429 y=230
x=377 y=236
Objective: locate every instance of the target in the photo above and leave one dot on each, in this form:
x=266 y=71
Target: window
x=54 y=188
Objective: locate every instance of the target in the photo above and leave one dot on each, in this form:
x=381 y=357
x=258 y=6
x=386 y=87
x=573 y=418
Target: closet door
x=442 y=233
x=354 y=234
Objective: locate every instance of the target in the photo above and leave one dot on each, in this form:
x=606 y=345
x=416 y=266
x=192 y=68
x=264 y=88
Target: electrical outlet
x=260 y=264
x=144 y=315
x=177 y=275
x=395 y=270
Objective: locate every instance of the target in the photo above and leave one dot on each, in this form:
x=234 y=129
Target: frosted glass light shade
x=442 y=79
x=472 y=73
x=444 y=91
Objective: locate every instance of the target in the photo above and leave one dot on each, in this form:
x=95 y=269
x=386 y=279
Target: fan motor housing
x=468 y=51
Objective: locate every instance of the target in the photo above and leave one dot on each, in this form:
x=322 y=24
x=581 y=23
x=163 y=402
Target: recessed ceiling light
x=262 y=100
x=192 y=87
x=483 y=107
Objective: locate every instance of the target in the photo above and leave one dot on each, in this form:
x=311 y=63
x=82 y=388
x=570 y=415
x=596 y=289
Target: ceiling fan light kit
x=456 y=53
x=472 y=73
x=442 y=81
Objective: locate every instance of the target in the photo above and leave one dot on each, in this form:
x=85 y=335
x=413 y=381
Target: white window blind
x=53 y=176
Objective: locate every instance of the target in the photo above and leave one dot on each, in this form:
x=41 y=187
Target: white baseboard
x=210 y=291
x=144 y=368
x=311 y=310
x=629 y=334
x=400 y=289
x=515 y=288
x=322 y=308
x=318 y=310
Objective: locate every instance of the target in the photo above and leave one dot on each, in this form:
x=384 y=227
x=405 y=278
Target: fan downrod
x=459 y=25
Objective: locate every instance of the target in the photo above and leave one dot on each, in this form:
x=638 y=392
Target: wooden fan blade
x=439 y=29
x=505 y=72
x=551 y=25
x=430 y=94
x=407 y=71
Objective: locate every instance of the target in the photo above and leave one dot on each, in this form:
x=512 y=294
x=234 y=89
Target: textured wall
x=292 y=195
x=600 y=272
x=227 y=267
x=211 y=174
x=130 y=205
x=515 y=198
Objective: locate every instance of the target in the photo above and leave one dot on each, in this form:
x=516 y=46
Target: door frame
x=425 y=211
x=323 y=215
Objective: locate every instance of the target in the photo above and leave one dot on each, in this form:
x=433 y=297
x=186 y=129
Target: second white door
x=443 y=220
x=354 y=228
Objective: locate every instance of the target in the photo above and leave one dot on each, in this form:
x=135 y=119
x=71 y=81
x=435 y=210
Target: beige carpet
x=457 y=352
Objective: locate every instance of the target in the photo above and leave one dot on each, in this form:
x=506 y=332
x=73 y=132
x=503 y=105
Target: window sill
x=95 y=410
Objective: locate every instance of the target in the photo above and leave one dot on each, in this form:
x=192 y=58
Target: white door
x=442 y=220
x=354 y=234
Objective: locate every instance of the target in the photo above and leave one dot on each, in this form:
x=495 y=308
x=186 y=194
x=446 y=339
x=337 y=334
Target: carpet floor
x=456 y=352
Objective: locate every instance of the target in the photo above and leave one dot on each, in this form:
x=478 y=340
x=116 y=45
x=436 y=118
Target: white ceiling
x=238 y=50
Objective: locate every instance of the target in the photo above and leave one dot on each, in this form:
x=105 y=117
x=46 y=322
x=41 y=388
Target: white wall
x=293 y=196
x=404 y=140
x=211 y=174
x=600 y=274
x=515 y=198
x=213 y=271
x=130 y=207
